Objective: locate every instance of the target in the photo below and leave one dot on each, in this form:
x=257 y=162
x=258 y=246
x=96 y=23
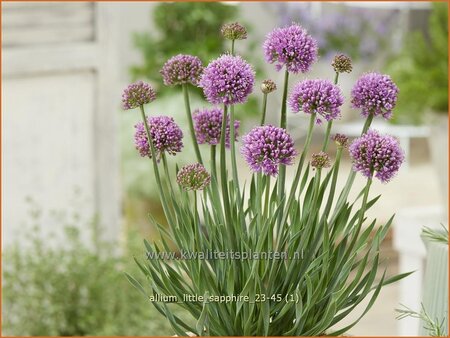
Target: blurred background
x=76 y=194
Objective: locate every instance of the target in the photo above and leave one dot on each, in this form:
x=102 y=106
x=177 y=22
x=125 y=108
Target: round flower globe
x=208 y=126
x=341 y=140
x=320 y=160
x=266 y=147
x=227 y=80
x=234 y=31
x=137 y=94
x=320 y=97
x=268 y=86
x=181 y=69
x=377 y=154
x=193 y=177
x=375 y=94
x=165 y=133
x=291 y=47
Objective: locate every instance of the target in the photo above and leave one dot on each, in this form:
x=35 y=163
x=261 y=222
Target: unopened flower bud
x=234 y=31
x=342 y=63
x=193 y=177
x=268 y=86
x=340 y=140
x=320 y=160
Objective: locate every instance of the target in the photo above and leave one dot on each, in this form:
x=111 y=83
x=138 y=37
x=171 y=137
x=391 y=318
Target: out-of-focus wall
x=59 y=63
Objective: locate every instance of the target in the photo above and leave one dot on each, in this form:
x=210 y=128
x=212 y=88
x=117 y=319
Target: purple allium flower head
x=317 y=96
x=375 y=94
x=291 y=47
x=265 y=147
x=340 y=140
x=193 y=177
x=320 y=160
x=137 y=94
x=208 y=126
x=165 y=133
x=228 y=79
x=234 y=31
x=376 y=154
x=181 y=69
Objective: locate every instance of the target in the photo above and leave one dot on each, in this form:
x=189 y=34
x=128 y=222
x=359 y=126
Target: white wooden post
x=59 y=112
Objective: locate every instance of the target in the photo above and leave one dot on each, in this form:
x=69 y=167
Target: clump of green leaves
x=437 y=235
x=73 y=288
x=421 y=70
x=434 y=327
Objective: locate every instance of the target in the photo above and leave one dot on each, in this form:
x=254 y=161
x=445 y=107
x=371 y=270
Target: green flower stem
x=283 y=124
x=327 y=136
x=191 y=123
x=283 y=121
x=330 y=123
x=351 y=177
x=232 y=47
x=301 y=161
x=259 y=193
x=233 y=152
x=223 y=168
x=155 y=167
x=213 y=161
x=314 y=208
x=367 y=124
x=197 y=225
x=336 y=166
x=264 y=107
x=267 y=197
x=336 y=78
x=166 y=171
x=362 y=211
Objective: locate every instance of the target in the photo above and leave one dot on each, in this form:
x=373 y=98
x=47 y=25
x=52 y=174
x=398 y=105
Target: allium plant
x=265 y=258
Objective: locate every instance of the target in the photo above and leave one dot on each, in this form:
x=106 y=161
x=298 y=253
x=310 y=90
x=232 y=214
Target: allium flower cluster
x=266 y=147
x=317 y=96
x=342 y=64
x=340 y=140
x=166 y=136
x=208 y=126
x=375 y=94
x=227 y=80
x=181 y=69
x=137 y=94
x=320 y=160
x=376 y=154
x=193 y=177
x=291 y=47
x=268 y=86
x=234 y=31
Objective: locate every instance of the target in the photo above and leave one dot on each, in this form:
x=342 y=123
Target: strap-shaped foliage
x=332 y=250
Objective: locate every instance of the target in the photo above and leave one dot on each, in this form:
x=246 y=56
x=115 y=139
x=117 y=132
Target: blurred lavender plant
x=359 y=32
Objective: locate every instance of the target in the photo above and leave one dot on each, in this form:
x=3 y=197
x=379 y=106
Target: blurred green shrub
x=73 y=289
x=421 y=70
x=182 y=27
